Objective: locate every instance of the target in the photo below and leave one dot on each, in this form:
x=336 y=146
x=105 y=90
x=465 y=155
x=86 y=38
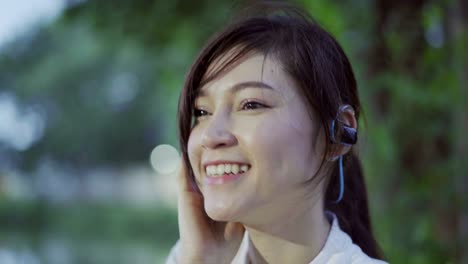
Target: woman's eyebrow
x=241 y=86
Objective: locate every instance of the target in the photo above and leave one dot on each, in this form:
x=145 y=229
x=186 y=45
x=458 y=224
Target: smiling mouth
x=224 y=173
x=221 y=170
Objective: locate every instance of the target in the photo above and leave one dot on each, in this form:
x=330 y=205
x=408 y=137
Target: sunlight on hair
x=164 y=159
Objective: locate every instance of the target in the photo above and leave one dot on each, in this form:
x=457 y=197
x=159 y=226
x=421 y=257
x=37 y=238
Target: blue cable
x=340 y=196
x=332 y=131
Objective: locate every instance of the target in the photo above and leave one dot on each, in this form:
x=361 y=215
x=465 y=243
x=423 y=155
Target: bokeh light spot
x=164 y=159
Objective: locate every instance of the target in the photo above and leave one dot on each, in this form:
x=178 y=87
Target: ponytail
x=353 y=211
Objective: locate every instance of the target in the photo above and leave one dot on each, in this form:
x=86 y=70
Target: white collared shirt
x=338 y=249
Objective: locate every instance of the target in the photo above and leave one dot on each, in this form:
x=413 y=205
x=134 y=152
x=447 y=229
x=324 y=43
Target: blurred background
x=88 y=90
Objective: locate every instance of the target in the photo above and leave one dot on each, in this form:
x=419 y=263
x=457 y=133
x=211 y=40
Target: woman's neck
x=295 y=236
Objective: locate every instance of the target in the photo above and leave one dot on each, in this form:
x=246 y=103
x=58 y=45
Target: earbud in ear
x=347 y=135
x=344 y=135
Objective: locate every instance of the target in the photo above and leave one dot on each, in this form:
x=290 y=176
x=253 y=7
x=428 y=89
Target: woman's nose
x=217 y=134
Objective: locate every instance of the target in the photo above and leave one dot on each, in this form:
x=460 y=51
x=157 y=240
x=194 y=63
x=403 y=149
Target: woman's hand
x=202 y=239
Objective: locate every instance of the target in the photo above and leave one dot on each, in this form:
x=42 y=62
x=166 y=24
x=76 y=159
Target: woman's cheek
x=266 y=143
x=282 y=148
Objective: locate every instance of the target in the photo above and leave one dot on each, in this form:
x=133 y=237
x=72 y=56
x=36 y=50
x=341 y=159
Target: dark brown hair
x=313 y=58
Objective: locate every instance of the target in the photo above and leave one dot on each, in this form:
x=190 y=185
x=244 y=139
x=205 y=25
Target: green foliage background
x=410 y=58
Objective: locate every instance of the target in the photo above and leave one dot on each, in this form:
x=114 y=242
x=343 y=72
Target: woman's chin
x=220 y=211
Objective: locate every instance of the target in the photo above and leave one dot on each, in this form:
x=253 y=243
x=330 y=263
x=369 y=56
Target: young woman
x=268 y=118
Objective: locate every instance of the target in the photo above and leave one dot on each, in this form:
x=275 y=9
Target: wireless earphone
x=347 y=136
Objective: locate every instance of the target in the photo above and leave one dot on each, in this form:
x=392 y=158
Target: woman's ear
x=344 y=129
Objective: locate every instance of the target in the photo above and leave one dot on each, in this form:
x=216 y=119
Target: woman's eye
x=198 y=113
x=251 y=105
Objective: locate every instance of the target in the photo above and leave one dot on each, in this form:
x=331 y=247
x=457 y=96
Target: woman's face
x=252 y=147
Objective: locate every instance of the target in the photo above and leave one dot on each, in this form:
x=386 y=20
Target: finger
x=183 y=177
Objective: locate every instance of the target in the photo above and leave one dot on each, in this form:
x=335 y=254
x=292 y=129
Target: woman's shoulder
x=339 y=248
x=352 y=254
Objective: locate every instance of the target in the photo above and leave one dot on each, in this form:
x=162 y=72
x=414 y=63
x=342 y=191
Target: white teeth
x=221 y=169
x=210 y=170
x=244 y=168
x=235 y=168
x=227 y=168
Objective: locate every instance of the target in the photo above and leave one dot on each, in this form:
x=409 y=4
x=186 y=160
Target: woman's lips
x=226 y=178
